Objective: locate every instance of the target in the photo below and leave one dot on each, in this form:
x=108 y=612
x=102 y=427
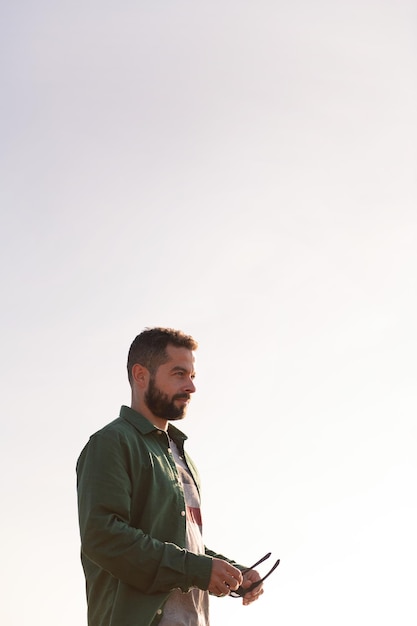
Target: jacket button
x=159 y=612
x=183 y=513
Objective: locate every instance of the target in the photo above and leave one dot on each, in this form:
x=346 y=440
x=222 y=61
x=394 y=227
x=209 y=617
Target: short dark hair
x=149 y=348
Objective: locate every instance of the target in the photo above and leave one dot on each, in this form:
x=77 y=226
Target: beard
x=161 y=405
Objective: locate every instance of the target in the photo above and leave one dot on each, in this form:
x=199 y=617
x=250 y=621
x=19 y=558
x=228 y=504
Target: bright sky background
x=244 y=171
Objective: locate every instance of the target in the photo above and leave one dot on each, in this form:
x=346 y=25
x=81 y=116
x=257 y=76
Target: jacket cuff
x=198 y=567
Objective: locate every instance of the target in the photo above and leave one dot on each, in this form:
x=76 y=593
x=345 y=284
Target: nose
x=190 y=387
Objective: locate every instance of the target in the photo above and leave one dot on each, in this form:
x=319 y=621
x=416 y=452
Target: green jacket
x=132 y=523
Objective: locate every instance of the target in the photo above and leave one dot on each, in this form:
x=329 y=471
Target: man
x=138 y=498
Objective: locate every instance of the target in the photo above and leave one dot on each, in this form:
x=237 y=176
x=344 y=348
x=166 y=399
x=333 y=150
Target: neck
x=141 y=408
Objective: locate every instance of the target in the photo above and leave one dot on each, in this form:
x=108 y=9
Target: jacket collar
x=145 y=427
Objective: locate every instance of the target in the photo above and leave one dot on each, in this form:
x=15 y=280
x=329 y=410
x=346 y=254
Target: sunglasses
x=240 y=592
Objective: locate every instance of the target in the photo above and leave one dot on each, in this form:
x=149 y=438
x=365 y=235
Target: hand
x=249 y=578
x=224 y=578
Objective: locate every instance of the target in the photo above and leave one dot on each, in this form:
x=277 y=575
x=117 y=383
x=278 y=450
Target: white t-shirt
x=191 y=608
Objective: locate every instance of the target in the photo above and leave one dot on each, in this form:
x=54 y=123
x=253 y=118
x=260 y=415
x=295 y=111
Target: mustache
x=181 y=396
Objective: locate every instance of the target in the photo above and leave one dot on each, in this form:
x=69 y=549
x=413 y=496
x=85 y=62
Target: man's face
x=170 y=389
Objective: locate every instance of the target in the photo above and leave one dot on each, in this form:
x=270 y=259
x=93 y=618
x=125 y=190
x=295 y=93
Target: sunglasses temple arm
x=258 y=563
x=271 y=570
x=261 y=580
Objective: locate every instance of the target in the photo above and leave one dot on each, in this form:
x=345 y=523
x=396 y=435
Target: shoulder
x=114 y=438
x=117 y=430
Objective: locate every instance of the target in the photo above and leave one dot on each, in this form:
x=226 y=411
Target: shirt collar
x=145 y=427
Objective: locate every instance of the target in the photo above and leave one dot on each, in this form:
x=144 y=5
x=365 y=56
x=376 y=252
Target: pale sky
x=244 y=171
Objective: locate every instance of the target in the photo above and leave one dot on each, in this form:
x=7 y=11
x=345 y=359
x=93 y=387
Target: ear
x=140 y=375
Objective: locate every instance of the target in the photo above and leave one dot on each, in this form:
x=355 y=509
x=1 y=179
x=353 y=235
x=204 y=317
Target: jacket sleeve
x=215 y=555
x=107 y=539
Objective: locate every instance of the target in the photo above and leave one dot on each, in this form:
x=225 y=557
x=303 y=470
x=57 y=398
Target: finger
x=224 y=589
x=232 y=583
x=251 y=596
x=233 y=578
x=236 y=574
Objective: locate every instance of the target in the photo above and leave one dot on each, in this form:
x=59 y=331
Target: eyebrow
x=178 y=368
